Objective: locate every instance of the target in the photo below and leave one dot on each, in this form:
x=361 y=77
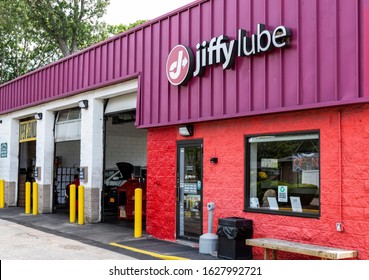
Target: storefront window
x=283 y=174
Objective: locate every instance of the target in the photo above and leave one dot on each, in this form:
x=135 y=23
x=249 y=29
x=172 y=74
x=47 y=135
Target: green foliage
x=22 y=48
x=35 y=33
x=116 y=29
x=69 y=23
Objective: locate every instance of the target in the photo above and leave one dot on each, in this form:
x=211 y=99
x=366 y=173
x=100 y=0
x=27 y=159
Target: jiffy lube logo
x=182 y=65
x=179 y=65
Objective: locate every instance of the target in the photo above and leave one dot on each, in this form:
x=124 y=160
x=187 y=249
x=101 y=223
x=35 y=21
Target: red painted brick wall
x=345 y=200
x=161 y=183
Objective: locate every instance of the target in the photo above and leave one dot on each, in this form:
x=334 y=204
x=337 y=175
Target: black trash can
x=232 y=233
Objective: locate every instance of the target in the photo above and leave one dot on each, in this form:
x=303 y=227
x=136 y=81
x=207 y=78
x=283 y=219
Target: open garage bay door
x=121 y=103
x=67 y=155
x=124 y=143
x=68 y=125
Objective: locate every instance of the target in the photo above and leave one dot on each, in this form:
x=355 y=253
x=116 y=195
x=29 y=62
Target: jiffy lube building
x=258 y=106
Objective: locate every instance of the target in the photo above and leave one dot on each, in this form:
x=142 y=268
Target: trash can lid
x=234 y=222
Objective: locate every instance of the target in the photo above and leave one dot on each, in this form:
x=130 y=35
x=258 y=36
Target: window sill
x=285 y=211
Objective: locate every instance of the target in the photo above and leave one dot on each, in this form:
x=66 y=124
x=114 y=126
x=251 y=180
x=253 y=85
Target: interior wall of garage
x=24 y=151
x=124 y=142
x=69 y=153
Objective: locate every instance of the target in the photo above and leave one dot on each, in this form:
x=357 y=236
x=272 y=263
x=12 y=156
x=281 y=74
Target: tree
x=119 y=28
x=35 y=33
x=69 y=23
x=22 y=48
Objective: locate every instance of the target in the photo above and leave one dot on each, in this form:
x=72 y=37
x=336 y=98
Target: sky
x=124 y=11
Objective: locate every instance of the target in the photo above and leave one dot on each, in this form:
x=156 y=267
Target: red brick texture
x=344 y=178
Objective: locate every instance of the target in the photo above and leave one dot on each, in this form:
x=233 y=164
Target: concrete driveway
x=24 y=243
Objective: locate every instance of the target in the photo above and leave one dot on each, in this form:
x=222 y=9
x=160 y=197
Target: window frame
x=247 y=179
x=69 y=115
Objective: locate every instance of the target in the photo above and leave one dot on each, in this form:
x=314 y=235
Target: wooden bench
x=272 y=246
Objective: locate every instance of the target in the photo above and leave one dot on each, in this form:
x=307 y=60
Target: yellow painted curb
x=155 y=255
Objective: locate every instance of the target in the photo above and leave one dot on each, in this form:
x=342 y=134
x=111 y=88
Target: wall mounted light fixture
x=38 y=116
x=83 y=104
x=186 y=130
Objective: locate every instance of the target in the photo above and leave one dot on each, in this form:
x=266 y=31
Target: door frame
x=184 y=144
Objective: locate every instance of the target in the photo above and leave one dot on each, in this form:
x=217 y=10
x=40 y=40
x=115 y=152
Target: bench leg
x=274 y=254
x=267 y=252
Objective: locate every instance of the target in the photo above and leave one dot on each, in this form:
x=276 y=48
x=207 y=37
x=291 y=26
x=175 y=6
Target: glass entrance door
x=189 y=190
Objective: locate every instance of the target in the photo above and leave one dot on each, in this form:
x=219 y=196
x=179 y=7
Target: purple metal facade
x=323 y=66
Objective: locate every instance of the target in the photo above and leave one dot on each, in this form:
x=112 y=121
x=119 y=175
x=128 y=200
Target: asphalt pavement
x=115 y=239
x=24 y=243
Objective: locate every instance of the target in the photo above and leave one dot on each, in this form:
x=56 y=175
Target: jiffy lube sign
x=182 y=64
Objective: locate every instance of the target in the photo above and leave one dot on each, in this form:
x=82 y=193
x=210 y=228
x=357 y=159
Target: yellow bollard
x=35 y=198
x=138 y=213
x=2 y=194
x=72 y=203
x=28 y=198
x=81 y=205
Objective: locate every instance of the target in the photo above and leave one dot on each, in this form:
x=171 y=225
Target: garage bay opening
x=125 y=157
x=67 y=156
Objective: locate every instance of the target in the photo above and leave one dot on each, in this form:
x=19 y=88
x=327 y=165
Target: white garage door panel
x=68 y=131
x=121 y=103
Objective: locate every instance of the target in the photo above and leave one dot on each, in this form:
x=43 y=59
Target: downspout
x=339 y=224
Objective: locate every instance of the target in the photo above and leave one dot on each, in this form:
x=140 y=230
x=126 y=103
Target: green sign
x=4 y=150
x=282 y=194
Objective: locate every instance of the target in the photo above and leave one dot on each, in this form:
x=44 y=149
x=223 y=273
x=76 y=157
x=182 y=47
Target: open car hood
x=126 y=169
